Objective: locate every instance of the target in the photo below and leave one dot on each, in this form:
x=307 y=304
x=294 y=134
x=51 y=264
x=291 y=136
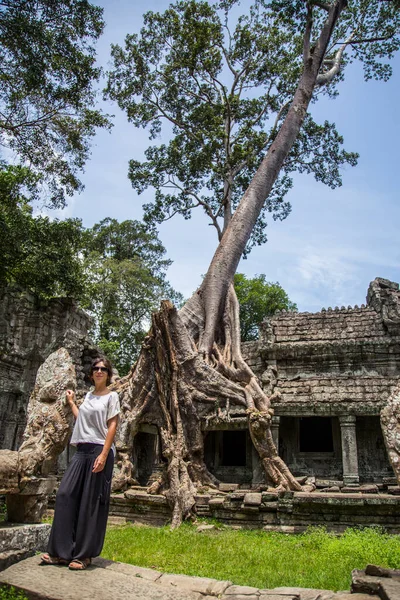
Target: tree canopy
x=48 y=75
x=221 y=83
x=258 y=299
x=125 y=271
x=116 y=271
x=40 y=254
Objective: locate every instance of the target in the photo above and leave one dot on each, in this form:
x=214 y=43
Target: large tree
x=258 y=299
x=222 y=157
x=48 y=76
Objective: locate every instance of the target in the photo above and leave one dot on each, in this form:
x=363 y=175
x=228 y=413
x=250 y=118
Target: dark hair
x=106 y=363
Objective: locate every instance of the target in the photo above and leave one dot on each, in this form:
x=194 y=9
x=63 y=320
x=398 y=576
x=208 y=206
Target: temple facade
x=331 y=372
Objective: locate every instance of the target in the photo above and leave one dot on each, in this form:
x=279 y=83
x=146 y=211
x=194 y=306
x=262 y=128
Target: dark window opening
x=315 y=434
x=145 y=455
x=234 y=448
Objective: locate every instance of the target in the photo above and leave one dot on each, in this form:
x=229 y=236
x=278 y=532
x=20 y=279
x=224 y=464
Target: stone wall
x=30 y=330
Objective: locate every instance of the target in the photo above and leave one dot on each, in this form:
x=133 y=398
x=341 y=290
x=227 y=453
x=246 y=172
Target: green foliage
x=314 y=559
x=117 y=271
x=47 y=96
x=258 y=299
x=10 y=593
x=36 y=253
x=125 y=273
x=224 y=83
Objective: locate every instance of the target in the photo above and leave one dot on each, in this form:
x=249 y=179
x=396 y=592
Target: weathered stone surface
x=390 y=420
x=30 y=330
x=369 y=489
x=126 y=569
x=20 y=541
x=204 y=527
x=228 y=487
x=216 y=502
x=387 y=588
x=307 y=593
x=9 y=481
x=241 y=597
x=272 y=596
x=349 y=596
x=58 y=583
x=243 y=590
x=377 y=571
x=45 y=436
x=252 y=499
x=202 y=585
x=25 y=509
x=21 y=537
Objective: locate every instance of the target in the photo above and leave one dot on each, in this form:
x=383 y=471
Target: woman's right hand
x=70 y=396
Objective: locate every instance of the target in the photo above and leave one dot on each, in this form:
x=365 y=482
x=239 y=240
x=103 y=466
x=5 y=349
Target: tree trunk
x=191 y=366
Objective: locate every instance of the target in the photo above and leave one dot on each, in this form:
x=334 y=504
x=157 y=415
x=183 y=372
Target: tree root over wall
x=172 y=384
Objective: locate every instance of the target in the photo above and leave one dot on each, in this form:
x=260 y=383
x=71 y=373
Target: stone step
x=46 y=582
x=106 y=579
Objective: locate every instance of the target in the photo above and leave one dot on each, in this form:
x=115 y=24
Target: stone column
x=275 y=422
x=349 y=449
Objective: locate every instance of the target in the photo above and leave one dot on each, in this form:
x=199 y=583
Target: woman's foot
x=79 y=564
x=52 y=560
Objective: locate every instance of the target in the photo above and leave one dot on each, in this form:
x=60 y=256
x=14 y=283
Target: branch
x=325 y=78
x=322 y=5
x=200 y=202
x=370 y=40
x=307 y=34
x=179 y=124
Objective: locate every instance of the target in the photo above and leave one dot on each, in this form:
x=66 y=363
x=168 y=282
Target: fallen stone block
x=376 y=571
x=244 y=590
x=228 y=487
x=203 y=585
x=204 y=527
x=252 y=499
x=216 y=502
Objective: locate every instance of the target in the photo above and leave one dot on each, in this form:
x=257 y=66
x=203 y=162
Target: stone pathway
x=106 y=579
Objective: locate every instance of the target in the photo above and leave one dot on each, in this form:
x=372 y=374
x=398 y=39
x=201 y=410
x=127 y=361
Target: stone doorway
x=145 y=454
x=311 y=445
x=228 y=455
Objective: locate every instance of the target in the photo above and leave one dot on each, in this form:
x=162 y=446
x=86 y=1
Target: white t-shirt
x=94 y=412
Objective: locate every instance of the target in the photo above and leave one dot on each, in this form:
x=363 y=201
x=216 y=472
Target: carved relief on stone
x=48 y=427
x=390 y=422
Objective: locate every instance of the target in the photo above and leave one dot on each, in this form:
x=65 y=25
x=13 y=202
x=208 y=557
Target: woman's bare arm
x=100 y=461
x=70 y=395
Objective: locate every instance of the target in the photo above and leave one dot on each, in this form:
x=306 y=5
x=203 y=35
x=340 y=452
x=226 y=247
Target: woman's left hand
x=99 y=463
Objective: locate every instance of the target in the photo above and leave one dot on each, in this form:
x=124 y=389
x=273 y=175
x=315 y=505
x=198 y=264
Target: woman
x=82 y=501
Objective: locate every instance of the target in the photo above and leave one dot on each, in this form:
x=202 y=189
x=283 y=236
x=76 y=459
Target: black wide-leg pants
x=82 y=504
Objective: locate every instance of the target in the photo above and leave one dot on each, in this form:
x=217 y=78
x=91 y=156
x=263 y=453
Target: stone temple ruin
x=334 y=378
x=334 y=371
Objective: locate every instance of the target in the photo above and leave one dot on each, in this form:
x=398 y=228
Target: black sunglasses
x=102 y=369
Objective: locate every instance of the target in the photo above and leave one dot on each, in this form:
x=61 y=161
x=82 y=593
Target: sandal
x=52 y=560
x=79 y=564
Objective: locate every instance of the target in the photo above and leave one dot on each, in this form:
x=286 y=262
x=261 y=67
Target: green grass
x=315 y=559
x=10 y=593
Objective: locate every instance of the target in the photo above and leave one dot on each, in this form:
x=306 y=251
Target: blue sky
x=333 y=243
